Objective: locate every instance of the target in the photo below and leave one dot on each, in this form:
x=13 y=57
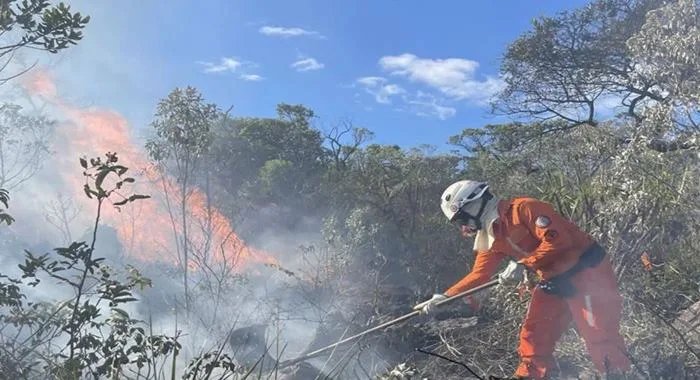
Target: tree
x=570 y=65
x=289 y=142
x=275 y=164
x=60 y=213
x=36 y=24
x=343 y=141
x=667 y=50
x=23 y=145
x=290 y=137
x=182 y=124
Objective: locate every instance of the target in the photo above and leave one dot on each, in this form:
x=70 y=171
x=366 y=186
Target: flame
x=150 y=230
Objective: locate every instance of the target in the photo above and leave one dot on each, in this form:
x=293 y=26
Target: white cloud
x=442 y=82
x=371 y=81
x=283 y=32
x=428 y=105
x=382 y=96
x=228 y=64
x=251 y=77
x=307 y=64
x=422 y=104
x=225 y=64
x=454 y=77
x=377 y=87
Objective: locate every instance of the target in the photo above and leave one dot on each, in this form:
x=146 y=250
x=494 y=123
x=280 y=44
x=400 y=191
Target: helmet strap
x=485 y=198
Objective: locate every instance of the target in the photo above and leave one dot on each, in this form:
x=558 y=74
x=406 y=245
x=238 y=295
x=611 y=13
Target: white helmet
x=459 y=194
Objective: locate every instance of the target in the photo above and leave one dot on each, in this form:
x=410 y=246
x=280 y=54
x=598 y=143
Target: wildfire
x=150 y=230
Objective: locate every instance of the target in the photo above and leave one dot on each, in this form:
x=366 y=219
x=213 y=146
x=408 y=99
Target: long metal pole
x=313 y=354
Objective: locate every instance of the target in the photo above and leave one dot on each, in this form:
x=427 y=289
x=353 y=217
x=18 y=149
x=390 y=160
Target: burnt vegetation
x=605 y=105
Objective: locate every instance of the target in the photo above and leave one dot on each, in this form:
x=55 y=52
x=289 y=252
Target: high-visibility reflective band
x=589 y=311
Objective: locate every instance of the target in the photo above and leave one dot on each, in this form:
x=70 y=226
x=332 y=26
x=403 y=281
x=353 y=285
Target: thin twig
x=451 y=361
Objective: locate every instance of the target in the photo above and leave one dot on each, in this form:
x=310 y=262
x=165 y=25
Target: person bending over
x=575 y=278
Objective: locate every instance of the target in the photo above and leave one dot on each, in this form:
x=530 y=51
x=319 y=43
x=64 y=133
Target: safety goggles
x=462 y=218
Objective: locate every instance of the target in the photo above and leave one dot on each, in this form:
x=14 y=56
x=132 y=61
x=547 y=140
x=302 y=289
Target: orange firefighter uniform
x=577 y=283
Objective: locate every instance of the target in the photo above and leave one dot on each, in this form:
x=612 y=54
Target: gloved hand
x=512 y=275
x=427 y=306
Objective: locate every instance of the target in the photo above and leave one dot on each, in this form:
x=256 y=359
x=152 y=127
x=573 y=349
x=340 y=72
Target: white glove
x=427 y=306
x=512 y=275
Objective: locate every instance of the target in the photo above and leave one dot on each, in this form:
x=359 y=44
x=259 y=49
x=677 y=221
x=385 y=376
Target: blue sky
x=413 y=72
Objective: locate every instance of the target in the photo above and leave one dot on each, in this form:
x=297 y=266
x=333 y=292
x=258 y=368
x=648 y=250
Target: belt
x=561 y=284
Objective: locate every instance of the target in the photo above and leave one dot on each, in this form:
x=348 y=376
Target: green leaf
x=122 y=202
x=101 y=177
x=125 y=299
x=87 y=190
x=121 y=312
x=83 y=163
x=8 y=219
x=4 y=198
x=131 y=199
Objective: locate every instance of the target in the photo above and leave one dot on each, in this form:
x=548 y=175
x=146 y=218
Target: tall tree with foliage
x=37 y=24
x=274 y=164
x=570 y=64
x=24 y=144
x=610 y=54
x=182 y=125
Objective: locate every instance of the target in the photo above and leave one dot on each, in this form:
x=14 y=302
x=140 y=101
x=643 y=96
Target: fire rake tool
x=408 y=316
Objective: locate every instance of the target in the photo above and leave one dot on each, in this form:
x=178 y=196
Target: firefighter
x=575 y=279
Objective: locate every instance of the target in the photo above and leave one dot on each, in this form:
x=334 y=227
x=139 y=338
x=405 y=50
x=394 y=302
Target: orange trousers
x=596 y=309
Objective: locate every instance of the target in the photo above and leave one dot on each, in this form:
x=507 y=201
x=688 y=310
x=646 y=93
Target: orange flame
x=150 y=230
